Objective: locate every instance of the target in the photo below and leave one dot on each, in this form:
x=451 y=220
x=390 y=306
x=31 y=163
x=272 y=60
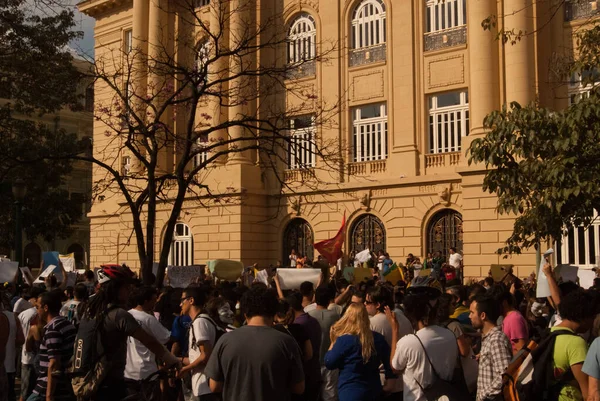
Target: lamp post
x=19 y=191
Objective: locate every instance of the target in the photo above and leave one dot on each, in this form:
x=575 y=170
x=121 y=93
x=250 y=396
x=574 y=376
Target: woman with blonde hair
x=358 y=352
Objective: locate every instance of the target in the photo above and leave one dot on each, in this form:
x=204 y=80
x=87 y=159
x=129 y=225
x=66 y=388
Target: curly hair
x=258 y=301
x=577 y=306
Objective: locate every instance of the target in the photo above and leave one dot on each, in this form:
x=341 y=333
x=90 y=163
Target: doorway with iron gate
x=298 y=235
x=445 y=231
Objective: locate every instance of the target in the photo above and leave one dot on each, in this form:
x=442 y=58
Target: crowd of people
x=112 y=338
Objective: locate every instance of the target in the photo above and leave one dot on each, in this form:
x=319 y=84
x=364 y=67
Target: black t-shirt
x=256 y=363
x=118 y=325
x=296 y=331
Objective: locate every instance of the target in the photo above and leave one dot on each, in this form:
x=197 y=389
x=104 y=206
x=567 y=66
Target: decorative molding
x=368 y=85
x=446 y=195
x=446 y=71
x=365 y=200
x=299 y=6
x=296 y=205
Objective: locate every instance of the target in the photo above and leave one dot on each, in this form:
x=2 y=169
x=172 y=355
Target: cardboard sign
x=394 y=276
x=586 y=278
x=362 y=274
x=348 y=273
x=229 y=270
x=290 y=279
x=567 y=273
x=48 y=271
x=68 y=261
x=183 y=276
x=8 y=271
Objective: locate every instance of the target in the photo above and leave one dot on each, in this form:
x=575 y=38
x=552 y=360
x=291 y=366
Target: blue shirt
x=359 y=381
x=591 y=366
x=179 y=332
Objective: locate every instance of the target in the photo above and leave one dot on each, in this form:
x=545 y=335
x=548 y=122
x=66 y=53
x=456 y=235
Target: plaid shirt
x=495 y=355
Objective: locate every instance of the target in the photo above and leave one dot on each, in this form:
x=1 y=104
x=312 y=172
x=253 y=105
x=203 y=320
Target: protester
x=56 y=349
x=293 y=257
x=4 y=333
x=461 y=304
x=29 y=318
x=23 y=303
x=141 y=362
x=514 y=324
x=256 y=362
x=357 y=352
x=324 y=297
x=90 y=282
x=455 y=260
x=220 y=312
x=284 y=322
x=117 y=324
x=70 y=308
x=307 y=290
x=431 y=347
x=201 y=339
x=14 y=341
x=496 y=351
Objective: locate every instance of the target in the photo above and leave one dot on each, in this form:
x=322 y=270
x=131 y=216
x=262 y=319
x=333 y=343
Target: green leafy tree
x=543 y=164
x=37 y=76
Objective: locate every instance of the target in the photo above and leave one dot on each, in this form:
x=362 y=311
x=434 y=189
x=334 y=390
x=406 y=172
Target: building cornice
x=95 y=7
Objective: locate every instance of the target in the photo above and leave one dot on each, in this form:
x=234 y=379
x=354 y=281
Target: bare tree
x=180 y=104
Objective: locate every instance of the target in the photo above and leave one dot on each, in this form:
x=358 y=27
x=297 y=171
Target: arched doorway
x=78 y=254
x=368 y=232
x=182 y=247
x=445 y=230
x=298 y=235
x=32 y=255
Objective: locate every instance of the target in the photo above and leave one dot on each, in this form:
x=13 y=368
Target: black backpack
x=89 y=365
x=218 y=330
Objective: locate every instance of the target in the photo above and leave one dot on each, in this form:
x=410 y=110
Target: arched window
x=182 y=246
x=368 y=24
x=302 y=39
x=368 y=232
x=445 y=231
x=32 y=255
x=79 y=255
x=299 y=236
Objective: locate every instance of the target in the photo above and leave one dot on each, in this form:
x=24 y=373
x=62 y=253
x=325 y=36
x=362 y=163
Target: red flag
x=331 y=249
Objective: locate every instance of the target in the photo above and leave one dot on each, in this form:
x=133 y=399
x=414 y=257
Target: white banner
x=224 y=269
x=8 y=271
x=290 y=279
x=48 y=271
x=183 y=276
x=566 y=273
x=68 y=261
x=586 y=278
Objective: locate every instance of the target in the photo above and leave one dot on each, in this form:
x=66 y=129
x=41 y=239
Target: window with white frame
x=182 y=247
x=202 y=155
x=445 y=14
x=127 y=41
x=580 y=246
x=201 y=3
x=301 y=149
x=582 y=84
x=368 y=24
x=302 y=39
x=202 y=58
x=370 y=134
x=448 y=121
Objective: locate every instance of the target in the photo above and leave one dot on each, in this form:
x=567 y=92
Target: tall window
x=301 y=150
x=579 y=246
x=202 y=59
x=201 y=3
x=128 y=41
x=582 y=84
x=370 y=132
x=445 y=14
x=448 y=121
x=202 y=156
x=182 y=247
x=302 y=39
x=368 y=24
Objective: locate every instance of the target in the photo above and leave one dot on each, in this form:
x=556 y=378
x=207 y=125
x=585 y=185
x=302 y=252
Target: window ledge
x=367 y=55
x=367 y=168
x=299 y=174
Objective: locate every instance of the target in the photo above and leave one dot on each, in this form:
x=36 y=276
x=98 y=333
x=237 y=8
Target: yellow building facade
x=414 y=81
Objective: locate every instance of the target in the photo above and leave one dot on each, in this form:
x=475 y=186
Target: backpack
x=218 y=330
x=529 y=375
x=89 y=365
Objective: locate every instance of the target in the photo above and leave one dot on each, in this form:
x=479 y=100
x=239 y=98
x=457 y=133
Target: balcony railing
x=299 y=175
x=367 y=55
x=440 y=160
x=367 y=168
x=446 y=38
x=302 y=70
x=577 y=9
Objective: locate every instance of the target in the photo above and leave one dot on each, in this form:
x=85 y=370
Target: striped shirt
x=57 y=343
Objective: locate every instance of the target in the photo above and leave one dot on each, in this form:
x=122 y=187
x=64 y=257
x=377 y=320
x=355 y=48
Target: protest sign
x=363 y=256
x=290 y=279
x=182 y=276
x=68 y=261
x=26 y=274
x=348 y=273
x=48 y=271
x=362 y=274
x=229 y=270
x=262 y=277
x=586 y=278
x=50 y=258
x=8 y=271
x=566 y=273
x=543 y=290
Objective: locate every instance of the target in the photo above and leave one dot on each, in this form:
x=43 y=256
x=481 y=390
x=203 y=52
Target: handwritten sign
x=183 y=276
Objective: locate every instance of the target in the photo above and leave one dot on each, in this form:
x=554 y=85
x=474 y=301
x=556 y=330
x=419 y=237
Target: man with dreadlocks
x=115 y=284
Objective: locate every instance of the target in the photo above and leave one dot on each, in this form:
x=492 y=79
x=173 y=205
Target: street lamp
x=19 y=191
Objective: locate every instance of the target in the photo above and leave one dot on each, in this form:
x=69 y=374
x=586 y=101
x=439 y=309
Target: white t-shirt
x=25 y=318
x=204 y=330
x=380 y=324
x=411 y=358
x=310 y=307
x=141 y=362
x=455 y=259
x=404 y=326
x=335 y=307
x=70 y=307
x=21 y=305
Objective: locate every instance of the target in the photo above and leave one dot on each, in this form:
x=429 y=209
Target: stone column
x=218 y=70
x=239 y=88
x=519 y=58
x=139 y=46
